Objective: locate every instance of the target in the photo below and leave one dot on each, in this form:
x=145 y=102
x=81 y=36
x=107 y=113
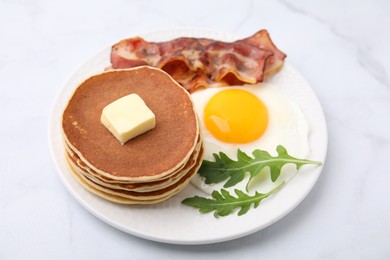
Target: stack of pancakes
x=148 y=168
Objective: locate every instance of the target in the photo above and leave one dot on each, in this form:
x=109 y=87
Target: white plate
x=170 y=221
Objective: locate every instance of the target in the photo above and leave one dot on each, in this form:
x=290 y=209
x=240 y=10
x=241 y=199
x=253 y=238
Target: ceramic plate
x=170 y=221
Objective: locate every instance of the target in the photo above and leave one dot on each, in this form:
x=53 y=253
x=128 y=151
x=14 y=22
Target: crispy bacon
x=262 y=40
x=199 y=62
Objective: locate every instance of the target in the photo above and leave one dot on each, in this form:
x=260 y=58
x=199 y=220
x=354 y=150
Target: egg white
x=287 y=126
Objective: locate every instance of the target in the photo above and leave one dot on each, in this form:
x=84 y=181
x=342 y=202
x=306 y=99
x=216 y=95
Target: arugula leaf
x=224 y=204
x=225 y=168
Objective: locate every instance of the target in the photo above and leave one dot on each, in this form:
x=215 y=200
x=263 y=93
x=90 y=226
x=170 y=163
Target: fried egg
x=248 y=118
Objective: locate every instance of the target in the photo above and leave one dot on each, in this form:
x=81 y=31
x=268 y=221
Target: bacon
x=262 y=40
x=200 y=63
x=242 y=61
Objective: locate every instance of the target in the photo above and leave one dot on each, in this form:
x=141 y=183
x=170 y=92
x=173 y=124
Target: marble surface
x=341 y=47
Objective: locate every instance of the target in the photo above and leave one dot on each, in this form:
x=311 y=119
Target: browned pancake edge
x=126 y=198
x=138 y=187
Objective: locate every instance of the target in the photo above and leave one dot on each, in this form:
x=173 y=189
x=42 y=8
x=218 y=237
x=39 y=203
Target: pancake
x=129 y=183
x=126 y=197
x=138 y=187
x=111 y=197
x=148 y=157
x=147 y=169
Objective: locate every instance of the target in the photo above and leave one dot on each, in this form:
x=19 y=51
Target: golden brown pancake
x=130 y=183
x=111 y=197
x=81 y=168
x=127 y=197
x=148 y=157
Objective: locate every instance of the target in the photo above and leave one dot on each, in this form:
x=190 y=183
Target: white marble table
x=341 y=47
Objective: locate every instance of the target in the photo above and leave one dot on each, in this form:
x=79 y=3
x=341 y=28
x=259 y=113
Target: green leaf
x=225 y=168
x=223 y=203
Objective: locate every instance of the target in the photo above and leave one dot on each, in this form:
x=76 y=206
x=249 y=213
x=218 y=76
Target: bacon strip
x=262 y=40
x=199 y=62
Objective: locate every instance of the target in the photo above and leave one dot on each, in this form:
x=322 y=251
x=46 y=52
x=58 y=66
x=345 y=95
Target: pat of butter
x=128 y=117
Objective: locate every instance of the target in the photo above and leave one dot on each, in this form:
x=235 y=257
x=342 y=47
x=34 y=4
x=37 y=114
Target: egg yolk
x=235 y=116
